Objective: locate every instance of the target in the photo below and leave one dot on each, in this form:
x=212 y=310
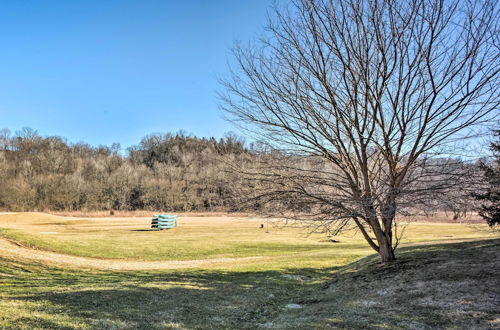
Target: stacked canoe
x=164 y=221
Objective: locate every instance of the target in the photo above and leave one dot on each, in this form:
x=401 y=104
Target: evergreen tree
x=490 y=208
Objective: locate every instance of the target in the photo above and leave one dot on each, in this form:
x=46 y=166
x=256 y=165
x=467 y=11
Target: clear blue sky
x=113 y=71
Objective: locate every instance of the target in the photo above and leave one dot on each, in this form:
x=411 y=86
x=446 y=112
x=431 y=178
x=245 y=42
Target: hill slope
x=428 y=287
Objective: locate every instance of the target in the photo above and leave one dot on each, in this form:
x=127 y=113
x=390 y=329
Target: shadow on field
x=423 y=289
x=198 y=299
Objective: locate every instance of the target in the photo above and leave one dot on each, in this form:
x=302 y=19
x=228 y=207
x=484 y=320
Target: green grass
x=434 y=286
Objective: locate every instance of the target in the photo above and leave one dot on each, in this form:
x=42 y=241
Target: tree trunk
x=386 y=252
x=384 y=239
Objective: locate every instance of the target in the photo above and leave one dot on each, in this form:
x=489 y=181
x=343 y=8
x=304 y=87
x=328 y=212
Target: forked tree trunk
x=386 y=253
x=385 y=248
x=383 y=244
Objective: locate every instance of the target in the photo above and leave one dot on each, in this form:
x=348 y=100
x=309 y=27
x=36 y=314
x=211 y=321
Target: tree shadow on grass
x=197 y=299
x=343 y=297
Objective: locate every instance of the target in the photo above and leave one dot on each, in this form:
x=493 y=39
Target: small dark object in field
x=330 y=241
x=112 y=212
x=261 y=225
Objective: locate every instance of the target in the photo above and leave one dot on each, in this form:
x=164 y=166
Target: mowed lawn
x=204 y=238
x=432 y=285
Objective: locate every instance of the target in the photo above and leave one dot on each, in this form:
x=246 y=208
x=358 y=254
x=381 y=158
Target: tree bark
x=384 y=246
x=386 y=251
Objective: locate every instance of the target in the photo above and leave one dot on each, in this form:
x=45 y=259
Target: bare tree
x=361 y=98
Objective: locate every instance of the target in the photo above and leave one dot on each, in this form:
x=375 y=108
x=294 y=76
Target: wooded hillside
x=163 y=172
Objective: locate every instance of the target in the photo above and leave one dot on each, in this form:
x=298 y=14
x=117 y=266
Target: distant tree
x=364 y=99
x=490 y=207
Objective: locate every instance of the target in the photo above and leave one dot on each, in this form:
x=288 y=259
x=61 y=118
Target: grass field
x=226 y=272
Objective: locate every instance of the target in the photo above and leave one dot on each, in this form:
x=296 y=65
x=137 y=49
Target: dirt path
x=14 y=250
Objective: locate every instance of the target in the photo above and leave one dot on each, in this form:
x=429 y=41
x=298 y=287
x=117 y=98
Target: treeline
x=179 y=172
x=174 y=172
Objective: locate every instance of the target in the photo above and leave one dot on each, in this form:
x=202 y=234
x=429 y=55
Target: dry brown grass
x=142 y=213
x=446 y=217
x=437 y=217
